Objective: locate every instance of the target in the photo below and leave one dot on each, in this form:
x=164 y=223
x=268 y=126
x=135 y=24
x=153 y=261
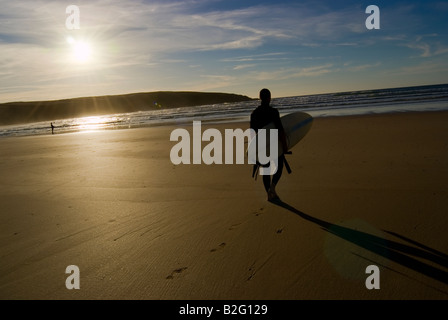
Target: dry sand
x=365 y=190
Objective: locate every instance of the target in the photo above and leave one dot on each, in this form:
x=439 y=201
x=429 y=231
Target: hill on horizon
x=34 y=111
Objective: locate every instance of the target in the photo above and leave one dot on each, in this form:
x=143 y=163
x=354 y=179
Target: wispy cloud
x=428 y=49
x=312 y=71
x=211 y=82
x=426 y=67
x=349 y=66
x=258 y=57
x=243 y=66
x=284 y=74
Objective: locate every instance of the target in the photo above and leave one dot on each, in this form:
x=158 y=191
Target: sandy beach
x=364 y=190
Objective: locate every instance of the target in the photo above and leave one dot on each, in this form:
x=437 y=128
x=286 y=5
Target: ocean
x=408 y=99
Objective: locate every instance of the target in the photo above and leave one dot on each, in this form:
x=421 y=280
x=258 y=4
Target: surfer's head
x=265 y=96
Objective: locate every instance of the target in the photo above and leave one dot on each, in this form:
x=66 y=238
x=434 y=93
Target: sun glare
x=81 y=50
x=91 y=123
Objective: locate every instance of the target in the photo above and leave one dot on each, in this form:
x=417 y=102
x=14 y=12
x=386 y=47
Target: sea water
x=408 y=99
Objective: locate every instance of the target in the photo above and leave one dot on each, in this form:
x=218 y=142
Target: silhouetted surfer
x=260 y=117
x=52 y=128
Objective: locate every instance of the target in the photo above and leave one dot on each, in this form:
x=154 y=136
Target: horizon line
x=219 y=92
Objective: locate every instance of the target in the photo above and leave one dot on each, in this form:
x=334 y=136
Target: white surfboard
x=296 y=125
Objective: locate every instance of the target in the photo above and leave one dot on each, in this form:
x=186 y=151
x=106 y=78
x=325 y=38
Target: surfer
x=52 y=128
x=260 y=117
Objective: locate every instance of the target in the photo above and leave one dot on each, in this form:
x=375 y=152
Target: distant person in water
x=260 y=117
x=52 y=128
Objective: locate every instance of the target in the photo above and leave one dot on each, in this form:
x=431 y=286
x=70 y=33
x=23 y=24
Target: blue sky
x=291 y=47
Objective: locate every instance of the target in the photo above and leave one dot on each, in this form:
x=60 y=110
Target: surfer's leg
x=267 y=182
x=266 y=177
x=278 y=174
x=272 y=195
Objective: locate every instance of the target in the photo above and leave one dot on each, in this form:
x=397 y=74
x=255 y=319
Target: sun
x=81 y=50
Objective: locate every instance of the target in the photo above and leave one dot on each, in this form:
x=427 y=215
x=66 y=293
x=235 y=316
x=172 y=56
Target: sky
x=291 y=47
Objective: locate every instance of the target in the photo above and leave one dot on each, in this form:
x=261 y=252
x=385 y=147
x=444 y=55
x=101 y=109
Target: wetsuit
x=260 y=117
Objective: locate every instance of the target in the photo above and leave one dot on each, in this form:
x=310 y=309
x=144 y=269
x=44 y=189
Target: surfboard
x=296 y=125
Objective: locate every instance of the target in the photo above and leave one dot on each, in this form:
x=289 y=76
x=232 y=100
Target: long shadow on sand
x=394 y=251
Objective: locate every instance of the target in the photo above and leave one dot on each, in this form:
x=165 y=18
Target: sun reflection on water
x=92 y=123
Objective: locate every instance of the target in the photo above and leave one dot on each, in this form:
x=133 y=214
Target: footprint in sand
x=222 y=245
x=233 y=226
x=257 y=213
x=174 y=272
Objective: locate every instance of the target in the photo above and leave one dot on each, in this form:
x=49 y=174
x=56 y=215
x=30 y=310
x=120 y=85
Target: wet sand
x=364 y=190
